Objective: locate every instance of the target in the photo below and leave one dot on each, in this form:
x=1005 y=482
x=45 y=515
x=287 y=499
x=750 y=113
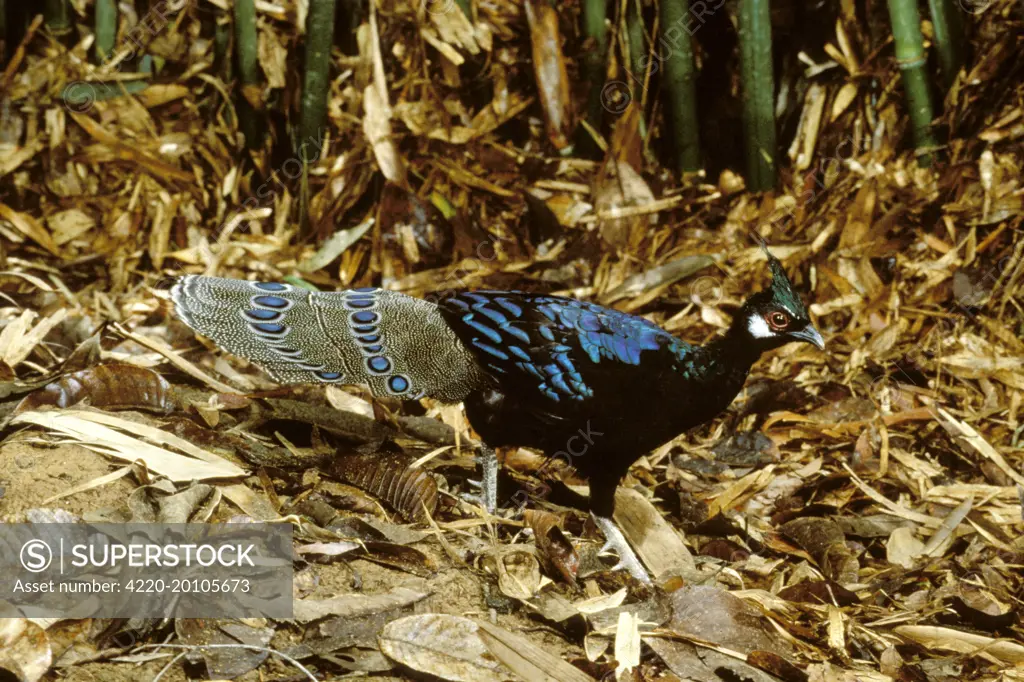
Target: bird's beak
x=810 y=335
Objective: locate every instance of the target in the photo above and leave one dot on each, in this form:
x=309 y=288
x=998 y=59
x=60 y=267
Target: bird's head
x=776 y=316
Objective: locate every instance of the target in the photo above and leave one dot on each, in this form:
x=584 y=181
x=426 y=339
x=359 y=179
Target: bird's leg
x=615 y=540
x=602 y=508
x=488 y=495
x=488 y=459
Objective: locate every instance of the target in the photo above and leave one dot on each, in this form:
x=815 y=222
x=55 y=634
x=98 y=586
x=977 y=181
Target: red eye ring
x=777 y=320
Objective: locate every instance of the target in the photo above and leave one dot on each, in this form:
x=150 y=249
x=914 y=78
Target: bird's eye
x=778 y=320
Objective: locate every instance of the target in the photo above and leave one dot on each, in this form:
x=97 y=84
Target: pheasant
x=546 y=372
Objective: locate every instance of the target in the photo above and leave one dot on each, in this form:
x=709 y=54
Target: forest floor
x=855 y=515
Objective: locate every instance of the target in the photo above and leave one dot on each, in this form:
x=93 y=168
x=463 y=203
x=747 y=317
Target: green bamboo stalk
x=596 y=29
x=681 y=82
x=637 y=46
x=248 y=70
x=315 y=86
x=906 y=33
x=57 y=14
x=466 y=8
x=758 y=80
x=637 y=49
x=106 y=29
x=246 y=42
x=949 y=38
x=138 y=35
x=222 y=48
x=316 y=81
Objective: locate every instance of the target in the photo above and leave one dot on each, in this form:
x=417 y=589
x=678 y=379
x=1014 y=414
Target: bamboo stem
x=910 y=56
x=106 y=29
x=637 y=48
x=949 y=38
x=248 y=71
x=758 y=79
x=222 y=48
x=315 y=87
x=681 y=82
x=466 y=8
x=57 y=14
x=594 y=25
x=316 y=81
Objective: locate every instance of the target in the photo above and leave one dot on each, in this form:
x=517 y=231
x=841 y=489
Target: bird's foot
x=482 y=497
x=616 y=541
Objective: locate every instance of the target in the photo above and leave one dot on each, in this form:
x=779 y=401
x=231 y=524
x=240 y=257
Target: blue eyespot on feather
x=368 y=329
x=398 y=384
x=328 y=376
x=359 y=303
x=260 y=314
x=271 y=301
x=375 y=348
x=269 y=327
x=379 y=364
x=365 y=317
x=271 y=286
x=369 y=338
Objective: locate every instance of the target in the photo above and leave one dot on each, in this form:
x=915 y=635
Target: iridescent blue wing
x=560 y=349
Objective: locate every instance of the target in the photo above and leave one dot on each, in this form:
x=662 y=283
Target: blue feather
x=552 y=343
x=491 y=334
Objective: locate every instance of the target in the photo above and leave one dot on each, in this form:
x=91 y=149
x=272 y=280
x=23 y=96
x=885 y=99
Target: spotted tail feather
x=393 y=343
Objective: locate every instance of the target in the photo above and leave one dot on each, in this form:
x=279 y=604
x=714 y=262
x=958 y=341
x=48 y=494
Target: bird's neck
x=737 y=344
x=729 y=357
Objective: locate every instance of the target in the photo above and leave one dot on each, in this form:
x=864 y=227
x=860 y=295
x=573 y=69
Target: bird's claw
x=473 y=498
x=483 y=496
x=616 y=543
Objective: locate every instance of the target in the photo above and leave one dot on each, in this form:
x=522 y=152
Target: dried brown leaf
x=111 y=387
x=448 y=647
x=555 y=549
x=411 y=492
x=714 y=615
x=550 y=71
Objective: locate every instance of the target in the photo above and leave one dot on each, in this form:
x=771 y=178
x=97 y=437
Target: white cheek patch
x=758 y=327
